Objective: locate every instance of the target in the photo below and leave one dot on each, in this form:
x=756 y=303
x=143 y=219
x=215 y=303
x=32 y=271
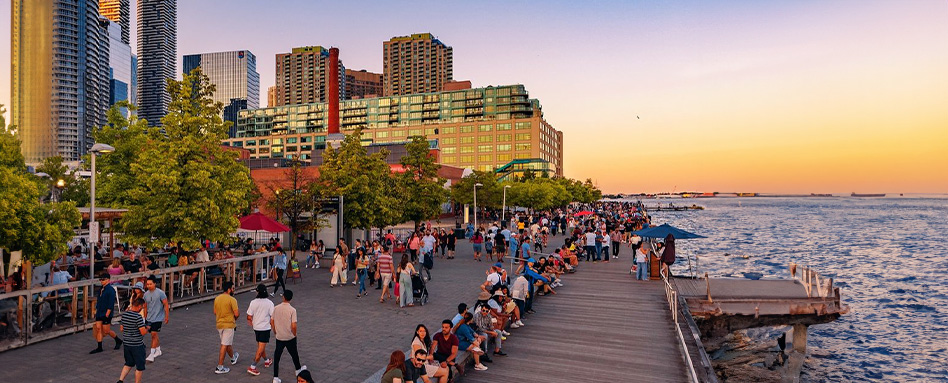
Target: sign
x=93 y=232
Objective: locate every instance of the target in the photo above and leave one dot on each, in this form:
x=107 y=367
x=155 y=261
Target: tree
x=187 y=188
x=131 y=137
x=293 y=197
x=365 y=182
x=39 y=230
x=72 y=189
x=423 y=191
x=488 y=196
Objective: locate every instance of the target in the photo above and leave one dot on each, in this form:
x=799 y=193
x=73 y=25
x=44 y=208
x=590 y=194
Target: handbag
x=332 y=269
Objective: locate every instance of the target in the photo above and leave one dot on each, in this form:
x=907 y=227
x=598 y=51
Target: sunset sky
x=755 y=96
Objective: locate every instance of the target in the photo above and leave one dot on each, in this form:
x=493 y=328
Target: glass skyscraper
x=235 y=75
x=157 y=56
x=120 y=66
x=60 y=76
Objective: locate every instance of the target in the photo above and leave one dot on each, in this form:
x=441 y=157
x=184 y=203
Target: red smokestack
x=333 y=98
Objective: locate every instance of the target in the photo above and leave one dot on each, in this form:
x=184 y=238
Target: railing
x=814 y=282
x=673 y=305
x=37 y=314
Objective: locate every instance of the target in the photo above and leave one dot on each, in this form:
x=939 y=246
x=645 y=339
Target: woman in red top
x=477 y=240
x=413 y=244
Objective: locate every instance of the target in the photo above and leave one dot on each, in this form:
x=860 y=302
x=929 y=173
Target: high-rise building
x=271 y=96
x=119 y=12
x=120 y=66
x=60 y=76
x=302 y=76
x=157 y=56
x=419 y=63
x=235 y=76
x=482 y=128
x=362 y=84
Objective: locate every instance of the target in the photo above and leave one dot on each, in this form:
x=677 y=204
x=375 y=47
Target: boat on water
x=866 y=195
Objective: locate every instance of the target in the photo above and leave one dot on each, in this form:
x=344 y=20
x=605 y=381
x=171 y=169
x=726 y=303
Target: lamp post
x=503 y=210
x=475 y=204
x=95 y=151
x=60 y=185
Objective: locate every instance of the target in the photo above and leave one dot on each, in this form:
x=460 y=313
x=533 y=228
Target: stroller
x=418 y=289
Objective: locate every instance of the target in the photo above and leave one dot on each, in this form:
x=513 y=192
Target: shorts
x=262 y=336
x=153 y=326
x=386 y=278
x=451 y=246
x=135 y=356
x=104 y=319
x=477 y=248
x=227 y=336
x=499 y=249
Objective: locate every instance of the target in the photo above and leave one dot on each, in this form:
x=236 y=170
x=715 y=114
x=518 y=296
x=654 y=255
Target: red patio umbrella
x=582 y=213
x=259 y=222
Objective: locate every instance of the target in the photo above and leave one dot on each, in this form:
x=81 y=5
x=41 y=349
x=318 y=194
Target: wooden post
x=707 y=282
x=74 y=305
x=799 y=338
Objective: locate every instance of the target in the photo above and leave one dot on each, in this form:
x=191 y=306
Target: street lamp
x=475 y=204
x=60 y=185
x=95 y=151
x=504 y=209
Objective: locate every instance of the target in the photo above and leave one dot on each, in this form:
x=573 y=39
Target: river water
x=889 y=256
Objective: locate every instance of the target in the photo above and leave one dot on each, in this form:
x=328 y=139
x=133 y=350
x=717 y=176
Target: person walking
x=616 y=242
x=385 y=269
x=226 y=313
x=405 y=271
x=284 y=328
x=103 y=315
x=362 y=267
x=158 y=312
x=606 y=241
x=279 y=269
x=414 y=243
x=443 y=242
x=339 y=265
x=259 y=314
x=477 y=239
x=133 y=328
x=641 y=263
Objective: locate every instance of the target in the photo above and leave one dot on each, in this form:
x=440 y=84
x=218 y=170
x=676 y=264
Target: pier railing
x=816 y=284
x=674 y=307
x=46 y=312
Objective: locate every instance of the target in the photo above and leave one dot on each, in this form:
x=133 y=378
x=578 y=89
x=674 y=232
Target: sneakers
x=267 y=363
x=96 y=351
x=158 y=352
x=277 y=380
x=520 y=323
x=221 y=370
x=150 y=358
x=500 y=353
x=514 y=325
x=505 y=333
x=477 y=350
x=253 y=371
x=234 y=359
x=300 y=370
x=480 y=367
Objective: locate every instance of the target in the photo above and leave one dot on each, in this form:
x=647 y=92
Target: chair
x=185 y=287
x=295 y=272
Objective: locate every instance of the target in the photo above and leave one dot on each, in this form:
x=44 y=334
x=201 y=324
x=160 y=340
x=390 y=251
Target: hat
x=139 y=285
x=499 y=293
x=499 y=265
x=483 y=296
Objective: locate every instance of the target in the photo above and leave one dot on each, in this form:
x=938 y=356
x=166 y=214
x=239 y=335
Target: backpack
x=428 y=261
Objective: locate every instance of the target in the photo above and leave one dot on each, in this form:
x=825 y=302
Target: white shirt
x=606 y=240
x=641 y=255
x=493 y=278
x=261 y=309
x=590 y=239
x=635 y=239
x=202 y=256
x=428 y=242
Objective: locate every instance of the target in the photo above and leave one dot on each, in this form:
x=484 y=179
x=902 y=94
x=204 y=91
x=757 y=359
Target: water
x=888 y=256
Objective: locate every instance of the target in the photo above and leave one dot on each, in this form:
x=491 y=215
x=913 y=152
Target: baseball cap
x=499 y=265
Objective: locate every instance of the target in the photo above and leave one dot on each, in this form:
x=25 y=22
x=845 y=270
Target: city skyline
x=734 y=96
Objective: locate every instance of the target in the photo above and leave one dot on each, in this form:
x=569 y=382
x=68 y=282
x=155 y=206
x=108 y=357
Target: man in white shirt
x=259 y=314
x=590 y=245
x=428 y=243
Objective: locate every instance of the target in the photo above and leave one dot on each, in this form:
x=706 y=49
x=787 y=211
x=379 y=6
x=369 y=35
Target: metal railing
x=673 y=305
x=41 y=313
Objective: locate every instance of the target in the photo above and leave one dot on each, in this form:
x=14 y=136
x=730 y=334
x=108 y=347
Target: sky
x=658 y=96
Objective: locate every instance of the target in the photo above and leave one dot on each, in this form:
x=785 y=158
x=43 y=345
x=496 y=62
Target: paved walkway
x=602 y=326
x=344 y=339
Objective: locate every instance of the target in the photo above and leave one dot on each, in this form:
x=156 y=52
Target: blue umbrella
x=664 y=230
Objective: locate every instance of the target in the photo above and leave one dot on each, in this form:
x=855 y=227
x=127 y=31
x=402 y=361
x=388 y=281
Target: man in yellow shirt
x=225 y=309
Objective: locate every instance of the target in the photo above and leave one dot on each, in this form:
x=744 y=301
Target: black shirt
x=411 y=373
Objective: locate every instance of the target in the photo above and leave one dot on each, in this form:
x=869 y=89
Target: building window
x=467 y=149
x=449 y=140
x=523 y=146
x=485 y=158
x=291 y=140
x=449 y=150
x=523 y=136
x=504 y=158
x=521 y=156
x=381 y=134
x=524 y=125
x=430 y=131
x=503 y=126
x=485 y=138
x=484 y=128
x=467 y=129
x=503 y=148
x=485 y=148
x=448 y=159
x=467 y=160
x=449 y=130
x=467 y=140
x=401 y=133
x=503 y=138
x=487 y=168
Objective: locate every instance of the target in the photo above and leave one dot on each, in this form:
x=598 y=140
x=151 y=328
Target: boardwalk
x=602 y=326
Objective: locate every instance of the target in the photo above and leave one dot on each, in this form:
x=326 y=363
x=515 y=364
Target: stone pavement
x=341 y=338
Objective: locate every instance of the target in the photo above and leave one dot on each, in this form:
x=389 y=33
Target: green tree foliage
x=364 y=180
x=423 y=191
x=488 y=196
x=186 y=187
x=73 y=189
x=40 y=230
x=131 y=137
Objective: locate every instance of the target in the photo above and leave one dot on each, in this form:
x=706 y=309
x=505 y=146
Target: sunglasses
x=420 y=360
